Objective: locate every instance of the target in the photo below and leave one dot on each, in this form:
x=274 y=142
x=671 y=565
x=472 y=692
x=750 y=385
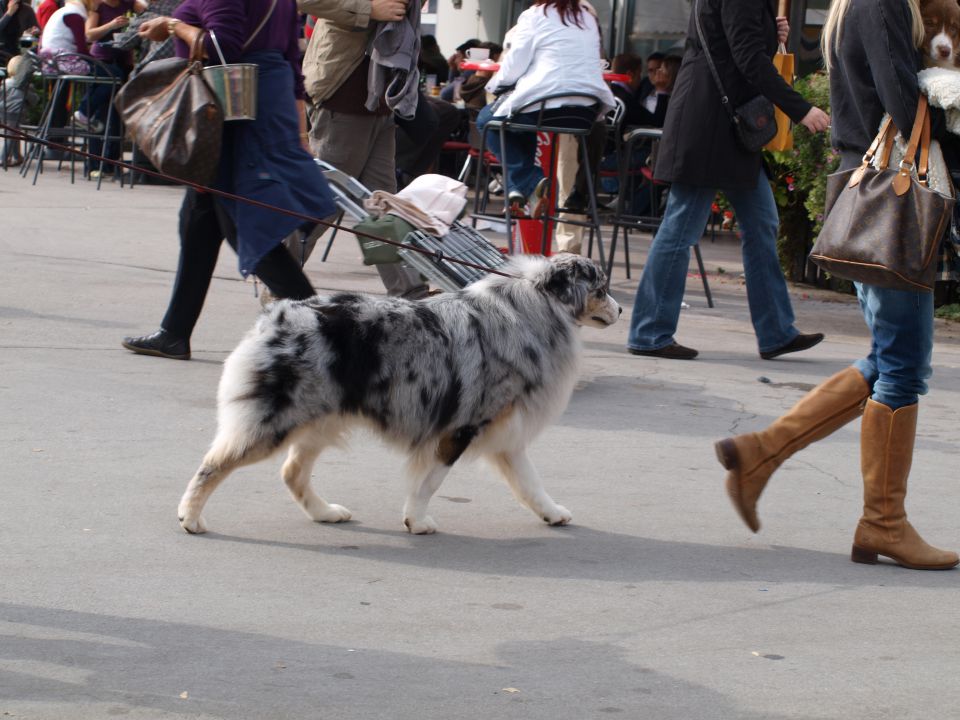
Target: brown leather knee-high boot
x=886 y=453
x=752 y=458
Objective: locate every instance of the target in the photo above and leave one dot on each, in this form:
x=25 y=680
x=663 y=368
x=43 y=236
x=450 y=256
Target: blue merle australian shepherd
x=477 y=372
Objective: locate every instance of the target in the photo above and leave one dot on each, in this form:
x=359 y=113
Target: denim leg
x=770 y=310
x=656 y=309
x=521 y=171
x=901 y=329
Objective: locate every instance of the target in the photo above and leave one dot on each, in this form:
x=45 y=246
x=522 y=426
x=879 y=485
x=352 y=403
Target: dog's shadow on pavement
x=582 y=553
x=63 y=663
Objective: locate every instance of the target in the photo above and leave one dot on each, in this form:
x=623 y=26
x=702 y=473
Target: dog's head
x=581 y=285
x=941 y=33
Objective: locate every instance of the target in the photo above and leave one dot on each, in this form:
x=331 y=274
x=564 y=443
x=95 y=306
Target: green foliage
x=800 y=181
x=948 y=312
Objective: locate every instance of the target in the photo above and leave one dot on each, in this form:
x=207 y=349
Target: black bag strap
x=724 y=99
x=260 y=26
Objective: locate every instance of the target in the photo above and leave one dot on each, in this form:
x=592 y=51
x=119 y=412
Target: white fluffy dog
x=481 y=371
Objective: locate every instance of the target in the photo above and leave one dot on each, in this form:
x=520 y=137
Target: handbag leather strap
x=196 y=50
x=887 y=149
x=884 y=137
x=924 y=167
x=901 y=183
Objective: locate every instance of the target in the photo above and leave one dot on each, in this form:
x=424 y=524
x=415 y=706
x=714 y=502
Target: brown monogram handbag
x=174 y=117
x=884 y=227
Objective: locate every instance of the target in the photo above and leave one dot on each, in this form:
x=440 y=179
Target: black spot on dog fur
x=532 y=354
x=449 y=403
x=345 y=298
x=411 y=377
x=452 y=446
x=424 y=397
x=355 y=347
x=279 y=338
x=430 y=321
x=274 y=385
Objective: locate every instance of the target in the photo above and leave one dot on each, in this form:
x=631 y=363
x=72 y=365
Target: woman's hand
x=156 y=29
x=118 y=22
x=388 y=10
x=816 y=120
x=783 y=30
x=12 y=7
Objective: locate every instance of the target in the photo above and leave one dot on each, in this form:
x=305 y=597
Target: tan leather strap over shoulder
x=901 y=183
x=924 y=167
x=888 y=132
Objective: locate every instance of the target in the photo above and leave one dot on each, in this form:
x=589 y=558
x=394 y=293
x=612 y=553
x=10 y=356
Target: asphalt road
x=656 y=603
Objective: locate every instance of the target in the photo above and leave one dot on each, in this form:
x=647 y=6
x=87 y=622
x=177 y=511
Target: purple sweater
x=233 y=21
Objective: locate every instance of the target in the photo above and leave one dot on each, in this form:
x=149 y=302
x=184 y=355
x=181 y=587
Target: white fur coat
x=942 y=88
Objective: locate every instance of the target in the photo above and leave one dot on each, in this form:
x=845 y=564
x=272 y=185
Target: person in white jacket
x=553 y=49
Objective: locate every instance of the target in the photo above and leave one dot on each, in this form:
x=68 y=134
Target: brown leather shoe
x=673 y=351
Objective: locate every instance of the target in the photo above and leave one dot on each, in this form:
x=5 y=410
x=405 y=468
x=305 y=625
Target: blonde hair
x=833 y=27
x=14 y=64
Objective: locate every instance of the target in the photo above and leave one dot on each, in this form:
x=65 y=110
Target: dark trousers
x=420 y=140
x=203 y=226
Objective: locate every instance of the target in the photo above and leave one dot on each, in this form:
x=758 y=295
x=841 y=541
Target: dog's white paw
x=558 y=515
x=329 y=513
x=426 y=526
x=194 y=526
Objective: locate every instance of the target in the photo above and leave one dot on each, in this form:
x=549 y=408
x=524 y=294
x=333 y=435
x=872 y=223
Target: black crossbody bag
x=754 y=122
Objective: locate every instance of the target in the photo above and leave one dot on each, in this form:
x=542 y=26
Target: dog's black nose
x=619 y=310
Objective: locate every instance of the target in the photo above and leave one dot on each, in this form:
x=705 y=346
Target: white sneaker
x=88 y=124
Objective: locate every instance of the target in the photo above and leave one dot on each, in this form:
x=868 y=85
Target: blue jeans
x=656 y=309
x=901 y=328
x=522 y=173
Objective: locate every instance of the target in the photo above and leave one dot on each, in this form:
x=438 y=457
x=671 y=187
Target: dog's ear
x=571 y=278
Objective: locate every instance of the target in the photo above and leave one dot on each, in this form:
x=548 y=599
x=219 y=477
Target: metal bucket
x=235 y=86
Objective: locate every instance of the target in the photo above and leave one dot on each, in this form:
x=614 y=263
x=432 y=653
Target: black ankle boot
x=159 y=344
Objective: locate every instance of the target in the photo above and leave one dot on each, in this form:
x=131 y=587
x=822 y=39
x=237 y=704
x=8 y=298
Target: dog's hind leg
x=423 y=484
x=525 y=483
x=296 y=474
x=225 y=456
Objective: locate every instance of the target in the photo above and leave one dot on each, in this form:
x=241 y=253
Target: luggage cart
x=461 y=243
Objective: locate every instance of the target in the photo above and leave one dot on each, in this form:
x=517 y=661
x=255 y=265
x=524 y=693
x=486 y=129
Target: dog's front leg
x=422 y=488
x=525 y=483
x=296 y=474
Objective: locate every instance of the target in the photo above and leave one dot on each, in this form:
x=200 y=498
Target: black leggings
x=203 y=226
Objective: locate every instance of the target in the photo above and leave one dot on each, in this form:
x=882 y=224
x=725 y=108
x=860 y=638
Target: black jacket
x=874 y=72
x=635 y=114
x=698 y=146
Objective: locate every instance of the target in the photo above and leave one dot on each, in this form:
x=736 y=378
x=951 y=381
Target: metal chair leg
x=594 y=213
x=333 y=236
x=506 y=194
x=703 y=274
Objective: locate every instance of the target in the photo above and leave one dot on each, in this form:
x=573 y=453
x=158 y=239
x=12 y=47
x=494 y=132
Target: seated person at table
x=473 y=89
x=663 y=80
x=635 y=113
x=432 y=61
x=553 y=49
